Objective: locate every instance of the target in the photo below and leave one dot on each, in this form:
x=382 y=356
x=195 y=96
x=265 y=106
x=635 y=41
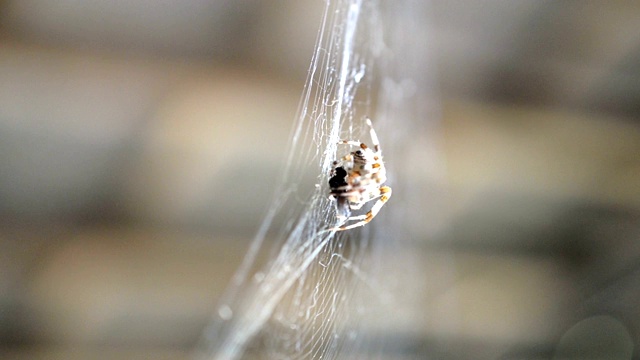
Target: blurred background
x=141 y=142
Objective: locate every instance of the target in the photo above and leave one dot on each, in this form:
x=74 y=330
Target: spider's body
x=357 y=179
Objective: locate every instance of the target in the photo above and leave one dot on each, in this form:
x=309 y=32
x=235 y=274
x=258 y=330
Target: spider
x=356 y=180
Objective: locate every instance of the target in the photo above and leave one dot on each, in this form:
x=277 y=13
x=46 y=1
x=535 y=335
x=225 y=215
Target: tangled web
x=305 y=291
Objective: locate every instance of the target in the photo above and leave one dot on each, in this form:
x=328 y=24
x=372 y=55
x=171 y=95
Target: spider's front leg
x=384 y=194
x=353 y=143
x=374 y=137
x=372 y=134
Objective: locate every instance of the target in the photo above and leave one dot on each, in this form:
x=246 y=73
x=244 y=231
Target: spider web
x=303 y=291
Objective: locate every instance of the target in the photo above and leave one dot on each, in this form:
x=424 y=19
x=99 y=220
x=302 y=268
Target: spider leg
x=353 y=143
x=385 y=194
x=374 y=137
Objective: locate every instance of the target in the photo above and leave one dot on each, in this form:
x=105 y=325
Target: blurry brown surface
x=138 y=142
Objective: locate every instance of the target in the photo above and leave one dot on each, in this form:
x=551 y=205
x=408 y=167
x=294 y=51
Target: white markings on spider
x=358 y=178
